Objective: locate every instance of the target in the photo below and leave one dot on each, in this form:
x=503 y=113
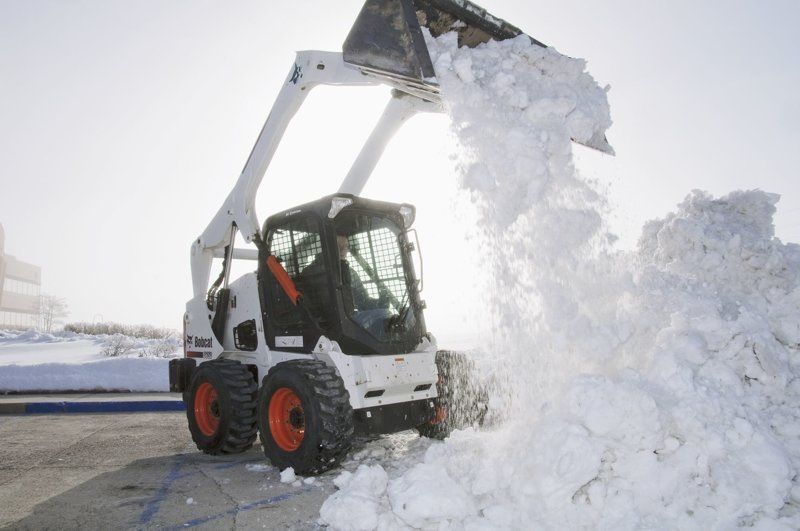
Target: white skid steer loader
x=326 y=338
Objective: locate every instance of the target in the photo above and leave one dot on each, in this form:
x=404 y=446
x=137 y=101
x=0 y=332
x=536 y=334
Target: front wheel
x=221 y=407
x=304 y=416
x=461 y=400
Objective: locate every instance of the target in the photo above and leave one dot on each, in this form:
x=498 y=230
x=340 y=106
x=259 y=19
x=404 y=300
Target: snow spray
x=652 y=389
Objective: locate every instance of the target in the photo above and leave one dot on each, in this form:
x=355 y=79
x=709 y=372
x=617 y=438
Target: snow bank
x=34 y=336
x=118 y=374
x=650 y=389
x=137 y=346
x=65 y=361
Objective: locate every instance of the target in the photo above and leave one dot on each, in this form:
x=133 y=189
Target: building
x=20 y=286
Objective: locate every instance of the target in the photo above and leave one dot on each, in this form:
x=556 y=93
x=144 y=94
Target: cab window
x=297 y=245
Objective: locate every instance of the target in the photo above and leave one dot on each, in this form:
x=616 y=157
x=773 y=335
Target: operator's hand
x=384 y=299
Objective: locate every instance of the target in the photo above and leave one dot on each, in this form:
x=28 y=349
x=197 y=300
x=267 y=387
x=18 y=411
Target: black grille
x=296 y=246
x=379 y=251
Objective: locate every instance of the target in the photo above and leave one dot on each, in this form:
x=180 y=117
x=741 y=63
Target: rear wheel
x=304 y=416
x=461 y=400
x=221 y=407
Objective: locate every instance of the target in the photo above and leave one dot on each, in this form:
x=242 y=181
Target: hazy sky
x=123 y=125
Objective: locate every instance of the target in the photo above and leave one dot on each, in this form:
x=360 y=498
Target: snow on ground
x=652 y=389
x=34 y=361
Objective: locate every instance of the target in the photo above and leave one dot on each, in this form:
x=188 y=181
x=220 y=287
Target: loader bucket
x=386 y=40
x=387 y=36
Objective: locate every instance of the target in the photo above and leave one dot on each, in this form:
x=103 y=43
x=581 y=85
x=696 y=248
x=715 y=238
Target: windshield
x=376 y=275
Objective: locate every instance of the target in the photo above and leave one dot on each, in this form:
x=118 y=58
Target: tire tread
x=243 y=425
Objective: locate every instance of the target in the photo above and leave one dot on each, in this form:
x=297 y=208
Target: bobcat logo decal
x=297 y=74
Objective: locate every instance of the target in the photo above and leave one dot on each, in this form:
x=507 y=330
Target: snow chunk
x=287 y=475
x=257 y=467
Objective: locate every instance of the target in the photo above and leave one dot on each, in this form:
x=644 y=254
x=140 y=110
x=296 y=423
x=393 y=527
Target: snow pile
x=66 y=361
x=34 y=336
x=359 y=501
x=111 y=345
x=118 y=374
x=685 y=412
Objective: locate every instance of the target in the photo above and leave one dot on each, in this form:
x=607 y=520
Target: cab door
x=299 y=246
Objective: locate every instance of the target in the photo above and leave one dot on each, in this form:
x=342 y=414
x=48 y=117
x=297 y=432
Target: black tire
x=324 y=415
x=234 y=407
x=462 y=402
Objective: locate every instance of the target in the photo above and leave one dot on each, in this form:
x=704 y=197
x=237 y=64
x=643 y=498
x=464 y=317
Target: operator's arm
x=357 y=297
x=361 y=297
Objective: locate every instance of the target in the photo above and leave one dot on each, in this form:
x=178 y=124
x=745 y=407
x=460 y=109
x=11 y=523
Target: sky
x=123 y=126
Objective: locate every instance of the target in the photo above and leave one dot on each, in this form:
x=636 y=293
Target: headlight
x=337 y=204
x=409 y=213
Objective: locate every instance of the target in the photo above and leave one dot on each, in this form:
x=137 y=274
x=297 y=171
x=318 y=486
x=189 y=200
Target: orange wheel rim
x=206 y=409
x=287 y=421
x=439 y=415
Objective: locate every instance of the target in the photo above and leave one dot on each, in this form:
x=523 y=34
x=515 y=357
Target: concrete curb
x=132 y=406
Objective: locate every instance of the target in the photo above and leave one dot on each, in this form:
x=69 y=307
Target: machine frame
x=360 y=373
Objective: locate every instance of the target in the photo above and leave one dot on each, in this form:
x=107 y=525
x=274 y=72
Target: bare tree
x=51 y=309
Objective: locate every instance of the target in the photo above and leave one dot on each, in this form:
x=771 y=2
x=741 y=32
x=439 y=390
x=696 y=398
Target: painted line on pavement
x=243 y=508
x=153 y=506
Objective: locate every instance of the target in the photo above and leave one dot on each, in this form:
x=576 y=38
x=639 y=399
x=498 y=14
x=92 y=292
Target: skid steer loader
x=326 y=338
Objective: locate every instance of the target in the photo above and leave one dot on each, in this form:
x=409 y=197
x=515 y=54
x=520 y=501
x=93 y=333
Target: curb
x=132 y=406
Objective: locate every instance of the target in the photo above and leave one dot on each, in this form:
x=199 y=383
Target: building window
x=17 y=320
x=12 y=285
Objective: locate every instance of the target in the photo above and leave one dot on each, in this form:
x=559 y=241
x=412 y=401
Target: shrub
x=116 y=346
x=110 y=328
x=160 y=348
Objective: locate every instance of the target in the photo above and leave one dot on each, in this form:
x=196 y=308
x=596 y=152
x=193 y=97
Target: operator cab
x=350 y=259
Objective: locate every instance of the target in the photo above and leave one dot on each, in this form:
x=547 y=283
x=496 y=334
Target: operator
x=314 y=282
x=361 y=299
x=371 y=314
x=368 y=312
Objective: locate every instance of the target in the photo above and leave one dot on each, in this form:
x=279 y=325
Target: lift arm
x=400 y=108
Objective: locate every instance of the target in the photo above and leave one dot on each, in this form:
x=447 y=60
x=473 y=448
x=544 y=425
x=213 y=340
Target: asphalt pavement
x=140 y=471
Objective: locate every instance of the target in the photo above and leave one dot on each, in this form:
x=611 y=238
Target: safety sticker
x=289 y=341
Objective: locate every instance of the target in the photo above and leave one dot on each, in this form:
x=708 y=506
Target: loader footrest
x=393 y=417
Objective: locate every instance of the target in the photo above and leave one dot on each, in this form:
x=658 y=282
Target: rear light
x=337 y=204
x=408 y=213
